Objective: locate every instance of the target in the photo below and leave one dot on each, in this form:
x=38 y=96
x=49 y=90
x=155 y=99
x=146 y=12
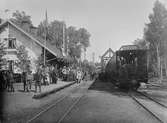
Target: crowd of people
x=76 y=74
x=7 y=81
x=44 y=75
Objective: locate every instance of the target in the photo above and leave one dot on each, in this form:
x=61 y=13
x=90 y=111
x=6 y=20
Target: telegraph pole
x=93 y=57
x=64 y=42
x=84 y=53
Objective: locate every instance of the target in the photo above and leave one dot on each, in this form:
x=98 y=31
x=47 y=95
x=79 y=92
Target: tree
x=141 y=43
x=75 y=52
x=78 y=39
x=84 y=36
x=74 y=39
x=153 y=34
x=2 y=53
x=56 y=31
x=21 y=18
x=23 y=61
x=40 y=59
x=73 y=44
x=53 y=32
x=0 y=20
x=42 y=31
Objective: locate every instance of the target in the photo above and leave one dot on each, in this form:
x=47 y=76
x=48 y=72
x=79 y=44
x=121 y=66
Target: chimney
x=26 y=26
x=33 y=30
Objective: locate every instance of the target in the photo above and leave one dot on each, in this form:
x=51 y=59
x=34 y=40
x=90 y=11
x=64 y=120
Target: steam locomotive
x=128 y=67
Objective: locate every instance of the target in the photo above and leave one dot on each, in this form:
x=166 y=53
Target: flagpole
x=45 y=50
x=63 y=41
x=46 y=19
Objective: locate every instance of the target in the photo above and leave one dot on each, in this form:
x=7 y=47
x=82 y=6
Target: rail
x=61 y=99
x=147 y=109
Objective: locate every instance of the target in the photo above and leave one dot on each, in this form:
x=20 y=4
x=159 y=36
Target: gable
x=109 y=51
x=51 y=48
x=25 y=40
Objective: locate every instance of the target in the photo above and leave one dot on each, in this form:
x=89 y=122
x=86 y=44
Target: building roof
x=108 y=51
x=129 y=47
x=51 y=48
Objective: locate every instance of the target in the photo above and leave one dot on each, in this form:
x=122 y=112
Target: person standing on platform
x=38 y=78
x=47 y=75
x=64 y=71
x=11 y=81
x=85 y=76
x=5 y=78
x=79 y=76
x=24 y=79
x=29 y=79
x=50 y=74
x=55 y=75
x=43 y=75
x=67 y=73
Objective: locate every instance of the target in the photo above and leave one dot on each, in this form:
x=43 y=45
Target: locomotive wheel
x=135 y=84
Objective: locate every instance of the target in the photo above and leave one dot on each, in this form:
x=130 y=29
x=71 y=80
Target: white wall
x=34 y=49
x=4 y=34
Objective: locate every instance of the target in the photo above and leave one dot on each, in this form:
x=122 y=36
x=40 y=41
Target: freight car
x=128 y=67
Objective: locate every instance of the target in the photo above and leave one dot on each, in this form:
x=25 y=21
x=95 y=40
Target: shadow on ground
x=107 y=87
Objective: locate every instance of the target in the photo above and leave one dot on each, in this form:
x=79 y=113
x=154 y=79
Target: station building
x=14 y=36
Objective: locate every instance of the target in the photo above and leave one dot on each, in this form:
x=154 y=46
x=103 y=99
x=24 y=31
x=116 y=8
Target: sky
x=111 y=23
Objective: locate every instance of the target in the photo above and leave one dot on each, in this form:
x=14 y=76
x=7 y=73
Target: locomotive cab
x=131 y=68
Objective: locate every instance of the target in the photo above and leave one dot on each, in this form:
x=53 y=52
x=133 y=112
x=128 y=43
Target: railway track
x=156 y=102
x=152 y=99
x=78 y=91
x=137 y=100
x=70 y=109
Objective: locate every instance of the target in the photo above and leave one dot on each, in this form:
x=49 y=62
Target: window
x=10 y=65
x=11 y=43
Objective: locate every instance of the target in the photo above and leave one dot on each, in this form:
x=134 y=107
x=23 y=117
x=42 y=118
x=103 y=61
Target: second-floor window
x=11 y=43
